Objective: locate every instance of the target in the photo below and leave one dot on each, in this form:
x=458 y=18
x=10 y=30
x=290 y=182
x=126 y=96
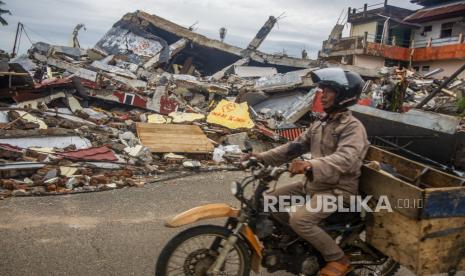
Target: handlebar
x=260 y=170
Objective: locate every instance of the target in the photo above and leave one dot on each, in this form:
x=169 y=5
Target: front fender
x=208 y=211
x=219 y=210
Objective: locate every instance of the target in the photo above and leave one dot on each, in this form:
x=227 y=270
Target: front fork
x=215 y=269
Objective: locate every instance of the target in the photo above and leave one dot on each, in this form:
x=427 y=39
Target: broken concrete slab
x=156 y=119
x=74 y=69
x=220 y=74
x=99 y=65
x=129 y=39
x=192 y=164
x=253 y=71
x=183 y=117
x=73 y=104
x=75 y=53
x=173 y=50
x=262 y=34
x=285 y=82
x=192 y=83
x=33 y=119
x=240 y=139
x=48 y=142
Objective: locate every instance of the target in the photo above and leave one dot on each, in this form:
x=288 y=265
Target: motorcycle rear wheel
x=388 y=268
x=198 y=260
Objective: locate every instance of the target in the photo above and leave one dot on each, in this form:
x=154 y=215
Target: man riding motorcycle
x=337 y=143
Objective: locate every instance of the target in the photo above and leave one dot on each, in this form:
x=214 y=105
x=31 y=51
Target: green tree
x=2 y=11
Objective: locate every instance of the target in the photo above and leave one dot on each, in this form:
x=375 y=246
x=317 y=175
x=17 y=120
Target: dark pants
x=305 y=222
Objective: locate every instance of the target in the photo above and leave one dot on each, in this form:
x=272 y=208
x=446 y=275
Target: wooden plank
x=395 y=236
x=171 y=128
x=434 y=178
x=398 y=192
x=170 y=136
x=442 y=245
x=440 y=255
x=424 y=246
x=172 y=141
x=165 y=138
x=429 y=238
x=179 y=149
x=403 y=166
x=444 y=202
x=414 y=170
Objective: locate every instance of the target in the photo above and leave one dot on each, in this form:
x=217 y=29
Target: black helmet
x=347 y=84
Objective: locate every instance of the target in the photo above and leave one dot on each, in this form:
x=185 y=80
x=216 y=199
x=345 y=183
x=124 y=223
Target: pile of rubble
x=75 y=120
x=399 y=90
x=152 y=97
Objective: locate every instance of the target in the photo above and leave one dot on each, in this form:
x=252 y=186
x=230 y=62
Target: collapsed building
x=152 y=97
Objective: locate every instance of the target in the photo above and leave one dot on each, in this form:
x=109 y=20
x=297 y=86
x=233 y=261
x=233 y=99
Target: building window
x=416 y=68
x=128 y=99
x=426 y=29
x=446 y=29
x=425 y=68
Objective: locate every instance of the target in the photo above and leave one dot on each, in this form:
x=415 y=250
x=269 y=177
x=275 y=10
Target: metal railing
x=423 y=43
x=378 y=5
x=360 y=42
x=433 y=42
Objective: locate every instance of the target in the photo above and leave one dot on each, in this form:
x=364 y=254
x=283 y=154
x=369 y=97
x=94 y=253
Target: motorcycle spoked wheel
x=189 y=253
x=388 y=268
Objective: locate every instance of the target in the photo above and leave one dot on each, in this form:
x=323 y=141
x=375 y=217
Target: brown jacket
x=337 y=145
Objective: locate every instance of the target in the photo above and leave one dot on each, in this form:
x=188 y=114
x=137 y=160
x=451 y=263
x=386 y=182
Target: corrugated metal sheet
x=291 y=133
x=95 y=154
x=437 y=12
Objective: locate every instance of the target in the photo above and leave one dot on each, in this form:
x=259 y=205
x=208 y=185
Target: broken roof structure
x=146 y=34
x=212 y=54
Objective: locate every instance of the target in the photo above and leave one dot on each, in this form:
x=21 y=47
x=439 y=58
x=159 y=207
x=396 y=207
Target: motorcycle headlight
x=234 y=188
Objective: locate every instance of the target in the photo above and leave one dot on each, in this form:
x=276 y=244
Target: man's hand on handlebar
x=247 y=156
x=248 y=159
x=299 y=167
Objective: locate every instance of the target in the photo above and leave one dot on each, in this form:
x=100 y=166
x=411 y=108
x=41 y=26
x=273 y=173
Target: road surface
x=117 y=232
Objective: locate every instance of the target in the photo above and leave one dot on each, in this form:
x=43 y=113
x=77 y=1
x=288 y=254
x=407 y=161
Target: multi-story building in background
x=426 y=39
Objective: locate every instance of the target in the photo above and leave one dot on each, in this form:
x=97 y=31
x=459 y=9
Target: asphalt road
x=117 y=232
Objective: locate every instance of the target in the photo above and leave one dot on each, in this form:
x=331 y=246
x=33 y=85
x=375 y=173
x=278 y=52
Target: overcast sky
x=305 y=24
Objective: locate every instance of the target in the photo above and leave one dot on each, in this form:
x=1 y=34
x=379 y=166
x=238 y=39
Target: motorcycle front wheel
x=193 y=251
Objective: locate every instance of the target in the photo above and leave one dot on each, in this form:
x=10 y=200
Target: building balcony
x=373 y=12
x=431 y=50
x=434 y=42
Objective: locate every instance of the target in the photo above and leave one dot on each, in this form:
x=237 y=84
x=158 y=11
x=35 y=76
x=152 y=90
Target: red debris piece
x=92 y=154
x=10 y=148
x=291 y=133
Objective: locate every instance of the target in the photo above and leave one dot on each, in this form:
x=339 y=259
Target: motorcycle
x=252 y=239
